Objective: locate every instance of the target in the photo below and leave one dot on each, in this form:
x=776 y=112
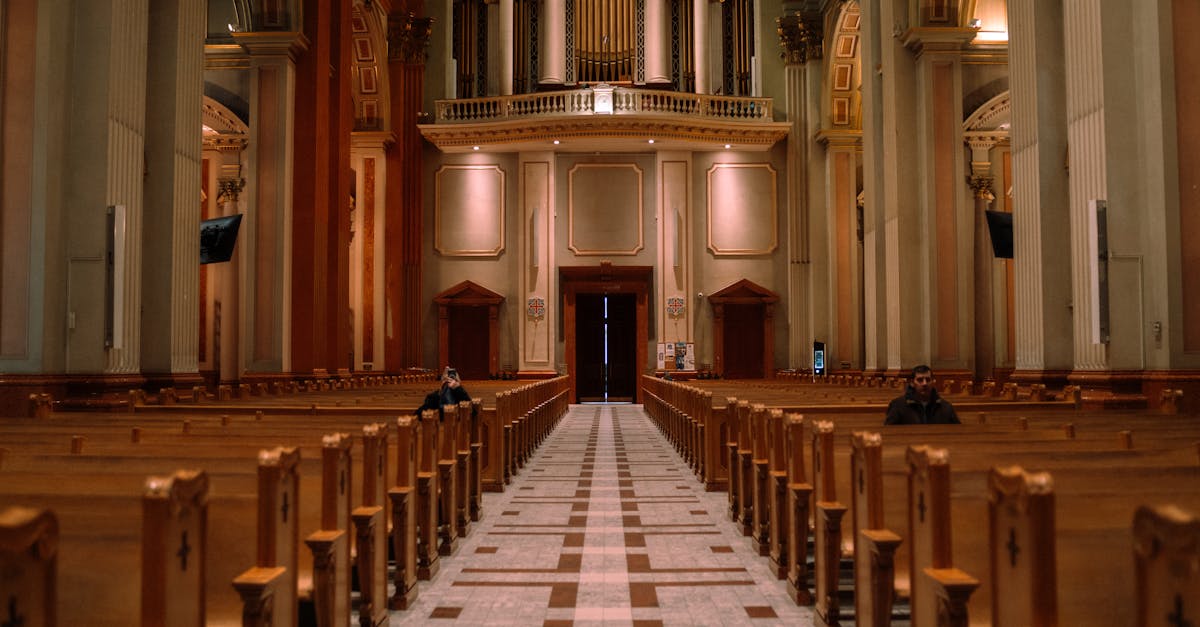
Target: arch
x=370 y=91
x=843 y=69
x=993 y=115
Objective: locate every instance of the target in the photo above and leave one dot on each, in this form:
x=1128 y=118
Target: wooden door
x=622 y=347
x=743 y=341
x=589 y=347
x=468 y=341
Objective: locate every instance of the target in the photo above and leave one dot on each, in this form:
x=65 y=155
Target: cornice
x=668 y=132
x=923 y=39
x=835 y=137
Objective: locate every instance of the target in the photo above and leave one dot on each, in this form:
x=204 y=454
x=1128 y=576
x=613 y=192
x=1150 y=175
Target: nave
x=604 y=524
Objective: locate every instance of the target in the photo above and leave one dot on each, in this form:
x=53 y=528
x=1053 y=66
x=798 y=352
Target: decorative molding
x=993 y=115
x=442 y=243
x=408 y=37
x=572 y=241
x=982 y=187
x=801 y=37
x=771 y=221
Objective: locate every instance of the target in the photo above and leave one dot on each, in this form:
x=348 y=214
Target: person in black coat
x=450 y=393
x=921 y=404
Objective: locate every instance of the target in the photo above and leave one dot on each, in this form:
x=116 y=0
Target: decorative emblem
x=675 y=306
x=535 y=308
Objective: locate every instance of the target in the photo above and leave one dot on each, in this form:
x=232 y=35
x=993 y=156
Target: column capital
x=934 y=39
x=408 y=37
x=273 y=43
x=840 y=139
x=372 y=140
x=981 y=186
x=228 y=189
x=800 y=36
x=981 y=144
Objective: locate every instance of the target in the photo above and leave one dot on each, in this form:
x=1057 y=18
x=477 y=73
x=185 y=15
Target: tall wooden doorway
x=744 y=331
x=605 y=329
x=469 y=330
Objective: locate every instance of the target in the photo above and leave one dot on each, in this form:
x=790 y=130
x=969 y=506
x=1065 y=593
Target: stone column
x=1088 y=166
x=228 y=275
x=946 y=315
x=984 y=326
x=1041 y=228
x=800 y=37
x=266 y=239
x=843 y=271
x=552 y=42
x=110 y=120
x=875 y=164
x=170 y=314
x=505 y=32
x=658 y=42
x=408 y=38
x=700 y=43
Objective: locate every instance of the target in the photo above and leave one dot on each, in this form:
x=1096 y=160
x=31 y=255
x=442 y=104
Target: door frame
x=606 y=279
x=744 y=292
x=469 y=294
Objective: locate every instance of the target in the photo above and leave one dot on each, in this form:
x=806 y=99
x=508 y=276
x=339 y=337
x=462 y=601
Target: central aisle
x=606 y=524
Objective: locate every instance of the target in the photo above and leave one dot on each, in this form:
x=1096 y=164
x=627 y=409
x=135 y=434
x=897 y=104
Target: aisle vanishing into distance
x=605 y=524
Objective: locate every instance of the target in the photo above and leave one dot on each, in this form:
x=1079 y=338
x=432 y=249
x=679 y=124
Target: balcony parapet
x=594 y=101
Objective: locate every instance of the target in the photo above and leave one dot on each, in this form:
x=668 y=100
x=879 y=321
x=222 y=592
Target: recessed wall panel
x=605 y=209
x=469 y=211
x=742 y=212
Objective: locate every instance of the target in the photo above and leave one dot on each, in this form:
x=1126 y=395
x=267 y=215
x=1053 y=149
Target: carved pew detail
x=29 y=563
x=402 y=497
x=827 y=531
x=174 y=539
x=939 y=591
x=1022 y=549
x=798 y=497
x=330 y=545
x=1166 y=551
x=874 y=544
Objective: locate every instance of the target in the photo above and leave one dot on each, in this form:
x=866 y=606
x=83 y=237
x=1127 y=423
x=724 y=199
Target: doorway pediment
x=744 y=291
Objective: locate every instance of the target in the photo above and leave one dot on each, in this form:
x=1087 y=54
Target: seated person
x=450 y=393
x=921 y=404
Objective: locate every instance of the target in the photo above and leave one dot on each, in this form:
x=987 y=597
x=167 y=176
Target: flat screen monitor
x=1000 y=226
x=217 y=237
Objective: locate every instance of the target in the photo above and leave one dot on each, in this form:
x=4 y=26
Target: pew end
x=29 y=563
x=1166 y=550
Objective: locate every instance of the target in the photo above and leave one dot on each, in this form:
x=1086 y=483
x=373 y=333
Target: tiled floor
x=605 y=525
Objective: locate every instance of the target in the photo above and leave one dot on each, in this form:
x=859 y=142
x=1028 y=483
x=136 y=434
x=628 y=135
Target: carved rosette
x=800 y=37
x=408 y=37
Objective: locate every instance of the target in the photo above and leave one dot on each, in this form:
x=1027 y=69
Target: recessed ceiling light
x=475 y=148
x=651 y=141
x=556 y=142
x=728 y=146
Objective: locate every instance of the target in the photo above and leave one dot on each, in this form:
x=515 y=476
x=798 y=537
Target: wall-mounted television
x=217 y=237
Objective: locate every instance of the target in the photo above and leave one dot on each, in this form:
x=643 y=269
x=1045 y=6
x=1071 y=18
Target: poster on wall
x=662 y=351
x=685 y=356
x=669 y=356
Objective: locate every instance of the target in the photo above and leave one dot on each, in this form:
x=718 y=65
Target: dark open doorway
x=744 y=341
x=606 y=347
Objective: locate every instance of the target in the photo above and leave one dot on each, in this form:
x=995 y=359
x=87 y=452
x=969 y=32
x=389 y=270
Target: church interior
x=680 y=253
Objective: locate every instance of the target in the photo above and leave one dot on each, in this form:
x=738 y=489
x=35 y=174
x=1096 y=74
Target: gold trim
x=641 y=236
x=712 y=246
x=437 y=213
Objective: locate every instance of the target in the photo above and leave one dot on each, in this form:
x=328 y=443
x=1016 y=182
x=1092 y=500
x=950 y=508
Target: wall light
x=975 y=22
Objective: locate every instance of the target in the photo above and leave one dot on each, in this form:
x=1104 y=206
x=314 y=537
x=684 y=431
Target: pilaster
x=843 y=232
x=368 y=159
x=539 y=303
x=945 y=225
x=675 y=308
x=266 y=237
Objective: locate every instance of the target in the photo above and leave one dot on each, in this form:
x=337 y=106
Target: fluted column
x=367 y=252
x=266 y=237
x=700 y=43
x=875 y=335
x=170 y=315
x=408 y=38
x=658 y=42
x=1041 y=261
x=110 y=121
x=1088 y=180
x=228 y=274
x=800 y=38
x=552 y=42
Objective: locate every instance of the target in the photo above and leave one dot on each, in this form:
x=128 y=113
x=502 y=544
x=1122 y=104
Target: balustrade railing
x=625 y=101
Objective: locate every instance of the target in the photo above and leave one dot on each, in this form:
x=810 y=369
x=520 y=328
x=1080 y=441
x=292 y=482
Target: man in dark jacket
x=451 y=393
x=921 y=404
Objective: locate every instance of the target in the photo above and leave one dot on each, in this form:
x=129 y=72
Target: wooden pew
x=29 y=543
